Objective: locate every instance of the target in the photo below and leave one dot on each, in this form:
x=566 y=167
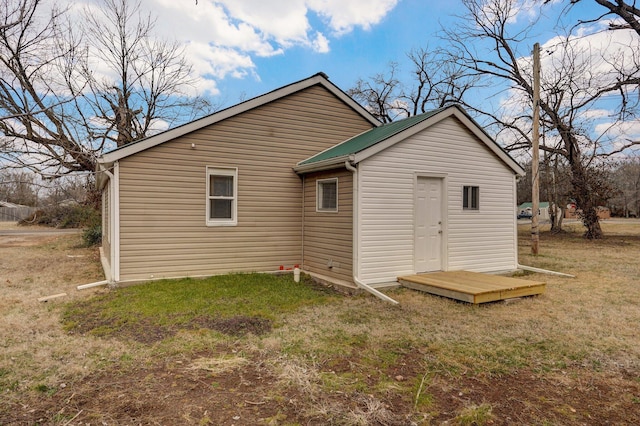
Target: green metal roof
x=370 y=138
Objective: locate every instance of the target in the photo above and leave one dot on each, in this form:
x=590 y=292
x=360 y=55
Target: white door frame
x=443 y=214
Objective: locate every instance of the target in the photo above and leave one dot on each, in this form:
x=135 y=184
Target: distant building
x=10 y=212
x=572 y=213
x=544 y=209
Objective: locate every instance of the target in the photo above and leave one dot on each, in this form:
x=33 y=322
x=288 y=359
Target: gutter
x=319 y=166
x=356 y=240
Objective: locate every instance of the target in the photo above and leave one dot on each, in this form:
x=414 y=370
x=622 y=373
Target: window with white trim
x=471 y=198
x=222 y=196
x=327 y=195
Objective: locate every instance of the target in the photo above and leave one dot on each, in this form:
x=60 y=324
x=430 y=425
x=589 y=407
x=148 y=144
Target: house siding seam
x=328 y=236
x=163 y=196
x=480 y=241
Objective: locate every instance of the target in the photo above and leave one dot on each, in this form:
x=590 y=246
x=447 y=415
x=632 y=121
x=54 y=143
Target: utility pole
x=535 y=141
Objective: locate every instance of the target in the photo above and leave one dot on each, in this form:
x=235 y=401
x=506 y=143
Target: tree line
x=618 y=188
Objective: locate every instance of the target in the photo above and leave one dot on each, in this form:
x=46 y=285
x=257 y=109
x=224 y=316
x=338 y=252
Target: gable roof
x=372 y=141
x=107 y=159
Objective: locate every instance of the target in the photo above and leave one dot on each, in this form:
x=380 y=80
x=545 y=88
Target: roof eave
x=328 y=164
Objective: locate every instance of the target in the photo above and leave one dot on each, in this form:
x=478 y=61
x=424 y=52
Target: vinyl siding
x=483 y=240
x=328 y=236
x=163 y=190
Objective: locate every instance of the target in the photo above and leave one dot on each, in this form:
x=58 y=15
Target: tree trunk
x=586 y=207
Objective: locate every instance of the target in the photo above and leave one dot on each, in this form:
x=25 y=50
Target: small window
x=327 y=192
x=471 y=198
x=222 y=188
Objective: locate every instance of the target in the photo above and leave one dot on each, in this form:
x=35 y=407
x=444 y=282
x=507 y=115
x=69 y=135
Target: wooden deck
x=472 y=287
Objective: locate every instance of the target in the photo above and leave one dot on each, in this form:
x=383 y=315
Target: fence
x=14 y=214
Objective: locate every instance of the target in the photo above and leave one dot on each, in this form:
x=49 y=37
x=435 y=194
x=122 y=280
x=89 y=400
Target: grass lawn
x=261 y=349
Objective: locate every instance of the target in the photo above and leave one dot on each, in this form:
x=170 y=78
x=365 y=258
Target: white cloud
x=620 y=130
x=283 y=21
x=321 y=43
x=345 y=15
x=222 y=37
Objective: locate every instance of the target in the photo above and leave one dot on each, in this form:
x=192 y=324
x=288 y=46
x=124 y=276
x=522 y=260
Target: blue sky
x=244 y=48
x=356 y=54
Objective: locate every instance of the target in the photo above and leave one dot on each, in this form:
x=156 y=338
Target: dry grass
x=587 y=324
x=588 y=319
x=360 y=361
x=35 y=350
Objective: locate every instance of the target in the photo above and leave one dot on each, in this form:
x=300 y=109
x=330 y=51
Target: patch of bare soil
x=573 y=397
x=190 y=392
x=238 y=325
x=147 y=331
x=169 y=392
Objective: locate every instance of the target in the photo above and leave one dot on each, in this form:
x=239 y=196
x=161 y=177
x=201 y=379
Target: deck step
x=472 y=287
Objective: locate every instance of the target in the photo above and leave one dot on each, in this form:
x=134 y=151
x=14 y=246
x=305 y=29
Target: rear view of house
x=305 y=176
x=429 y=193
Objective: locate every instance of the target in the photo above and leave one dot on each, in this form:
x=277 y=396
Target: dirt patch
x=186 y=391
x=235 y=326
x=573 y=397
x=171 y=392
x=147 y=331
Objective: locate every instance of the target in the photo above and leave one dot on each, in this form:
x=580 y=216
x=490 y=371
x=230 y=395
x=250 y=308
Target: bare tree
x=626 y=178
x=34 y=107
x=380 y=94
x=145 y=81
x=18 y=187
x=555 y=182
x=13 y=13
x=437 y=83
x=69 y=93
x=623 y=9
x=571 y=88
x=434 y=83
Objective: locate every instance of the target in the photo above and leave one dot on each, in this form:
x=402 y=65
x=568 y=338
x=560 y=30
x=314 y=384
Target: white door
x=428 y=225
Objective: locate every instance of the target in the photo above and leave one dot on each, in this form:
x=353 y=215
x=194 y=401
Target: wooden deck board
x=472 y=287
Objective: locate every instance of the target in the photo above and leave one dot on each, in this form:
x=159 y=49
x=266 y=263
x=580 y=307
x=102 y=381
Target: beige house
x=305 y=176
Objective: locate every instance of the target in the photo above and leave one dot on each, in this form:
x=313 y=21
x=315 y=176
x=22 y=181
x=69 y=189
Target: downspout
x=304 y=218
x=544 y=271
x=116 y=222
x=356 y=239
